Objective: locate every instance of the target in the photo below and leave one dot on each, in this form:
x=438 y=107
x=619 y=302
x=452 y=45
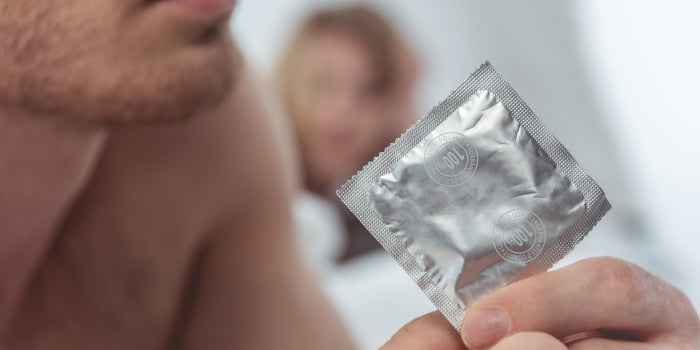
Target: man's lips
x=205 y=7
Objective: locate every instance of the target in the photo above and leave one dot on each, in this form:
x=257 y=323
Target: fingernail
x=484 y=328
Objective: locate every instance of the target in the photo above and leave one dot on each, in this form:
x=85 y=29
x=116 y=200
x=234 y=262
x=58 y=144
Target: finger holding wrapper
x=474 y=196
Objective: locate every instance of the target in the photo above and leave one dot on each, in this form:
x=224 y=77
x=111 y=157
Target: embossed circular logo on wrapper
x=450 y=159
x=519 y=236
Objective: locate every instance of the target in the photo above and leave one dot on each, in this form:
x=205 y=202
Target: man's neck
x=43 y=168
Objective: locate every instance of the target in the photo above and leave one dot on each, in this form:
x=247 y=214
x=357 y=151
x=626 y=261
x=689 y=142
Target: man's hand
x=600 y=303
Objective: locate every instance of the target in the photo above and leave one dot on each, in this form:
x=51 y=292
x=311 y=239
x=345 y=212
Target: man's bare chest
x=117 y=274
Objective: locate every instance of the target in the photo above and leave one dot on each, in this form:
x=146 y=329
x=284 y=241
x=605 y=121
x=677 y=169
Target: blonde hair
x=358 y=22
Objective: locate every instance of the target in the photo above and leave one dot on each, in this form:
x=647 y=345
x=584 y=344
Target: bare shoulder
x=126 y=259
x=224 y=160
x=253 y=289
x=183 y=237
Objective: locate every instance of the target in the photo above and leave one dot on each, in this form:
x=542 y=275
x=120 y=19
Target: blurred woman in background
x=346 y=80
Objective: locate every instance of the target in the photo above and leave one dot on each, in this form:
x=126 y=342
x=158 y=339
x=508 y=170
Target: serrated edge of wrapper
x=354 y=192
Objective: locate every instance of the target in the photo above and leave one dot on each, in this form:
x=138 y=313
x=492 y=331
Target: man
x=144 y=204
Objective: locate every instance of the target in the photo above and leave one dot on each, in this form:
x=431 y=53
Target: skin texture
x=112 y=61
x=33 y=204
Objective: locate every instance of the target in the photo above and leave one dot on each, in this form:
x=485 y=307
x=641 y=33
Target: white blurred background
x=616 y=81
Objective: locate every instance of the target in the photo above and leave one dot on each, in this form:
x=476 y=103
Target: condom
x=475 y=195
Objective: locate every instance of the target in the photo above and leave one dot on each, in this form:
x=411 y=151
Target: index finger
x=599 y=293
x=430 y=331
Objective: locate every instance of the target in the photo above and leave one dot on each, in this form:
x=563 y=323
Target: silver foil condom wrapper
x=476 y=195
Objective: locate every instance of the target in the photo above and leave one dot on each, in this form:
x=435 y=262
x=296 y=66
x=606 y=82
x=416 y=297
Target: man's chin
x=154 y=92
x=96 y=63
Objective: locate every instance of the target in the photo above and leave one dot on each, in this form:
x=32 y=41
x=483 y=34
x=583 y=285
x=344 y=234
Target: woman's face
x=339 y=108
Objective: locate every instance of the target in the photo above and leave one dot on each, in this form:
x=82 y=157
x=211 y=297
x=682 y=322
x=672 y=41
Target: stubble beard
x=81 y=73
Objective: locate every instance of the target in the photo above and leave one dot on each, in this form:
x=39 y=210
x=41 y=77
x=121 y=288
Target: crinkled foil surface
x=476 y=200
